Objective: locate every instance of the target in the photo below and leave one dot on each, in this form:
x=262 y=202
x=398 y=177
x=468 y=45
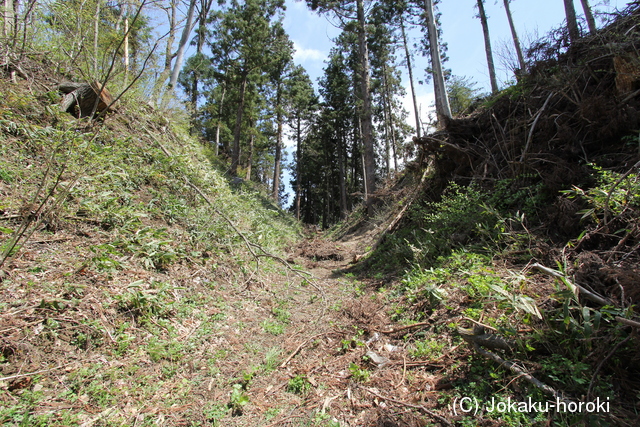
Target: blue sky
x=312 y=36
x=462 y=32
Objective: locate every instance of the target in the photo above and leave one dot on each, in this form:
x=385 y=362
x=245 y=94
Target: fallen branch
x=282 y=420
x=408 y=405
x=263 y=253
x=11 y=377
x=477 y=336
x=628 y=322
x=283 y=364
x=475 y=322
x=251 y=246
x=59 y=239
x=107 y=413
x=585 y=292
x=405 y=364
x=402 y=328
x=533 y=127
x=519 y=371
x=400 y=215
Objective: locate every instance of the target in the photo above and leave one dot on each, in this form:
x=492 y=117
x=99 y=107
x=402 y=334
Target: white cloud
x=301 y=54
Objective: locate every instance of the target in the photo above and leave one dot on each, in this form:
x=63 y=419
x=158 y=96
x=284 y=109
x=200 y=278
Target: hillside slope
x=527 y=227
x=111 y=257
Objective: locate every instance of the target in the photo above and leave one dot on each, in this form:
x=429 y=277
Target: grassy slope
x=114 y=289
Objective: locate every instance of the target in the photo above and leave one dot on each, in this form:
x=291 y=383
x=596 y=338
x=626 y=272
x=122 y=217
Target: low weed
x=358 y=373
x=170 y=350
x=215 y=412
x=271 y=359
x=427 y=349
x=349 y=344
x=298 y=385
x=156 y=301
x=273 y=327
x=238 y=399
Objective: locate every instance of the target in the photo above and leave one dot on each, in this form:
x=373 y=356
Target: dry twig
x=519 y=371
x=300 y=348
x=408 y=405
x=403 y=328
x=592 y=296
x=601 y=364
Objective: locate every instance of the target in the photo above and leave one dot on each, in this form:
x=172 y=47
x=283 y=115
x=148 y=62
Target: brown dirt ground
x=51 y=301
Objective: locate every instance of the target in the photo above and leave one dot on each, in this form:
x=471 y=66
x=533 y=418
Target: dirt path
x=284 y=349
x=325 y=374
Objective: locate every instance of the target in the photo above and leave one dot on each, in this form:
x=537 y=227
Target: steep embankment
x=523 y=239
x=118 y=241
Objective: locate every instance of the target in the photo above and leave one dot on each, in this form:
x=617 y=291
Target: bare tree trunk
x=410 y=68
x=168 y=56
x=367 y=127
x=487 y=47
x=392 y=128
x=205 y=7
x=6 y=13
x=10 y=21
x=572 y=21
x=183 y=43
x=96 y=33
x=387 y=144
x=224 y=91
x=235 y=155
x=26 y=22
x=364 y=169
x=298 y=169
x=342 y=179
x=126 y=50
x=120 y=17
x=278 y=154
x=388 y=119
x=250 y=157
x=516 y=40
x=443 y=110
x=327 y=204
x=591 y=22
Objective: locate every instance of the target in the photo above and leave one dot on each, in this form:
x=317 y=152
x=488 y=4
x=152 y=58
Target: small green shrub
x=525 y=193
x=359 y=374
x=298 y=385
x=453 y=221
x=613 y=194
x=238 y=399
x=156 y=301
x=214 y=412
x=427 y=349
x=273 y=327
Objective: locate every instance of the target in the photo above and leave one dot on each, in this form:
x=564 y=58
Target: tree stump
x=80 y=99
